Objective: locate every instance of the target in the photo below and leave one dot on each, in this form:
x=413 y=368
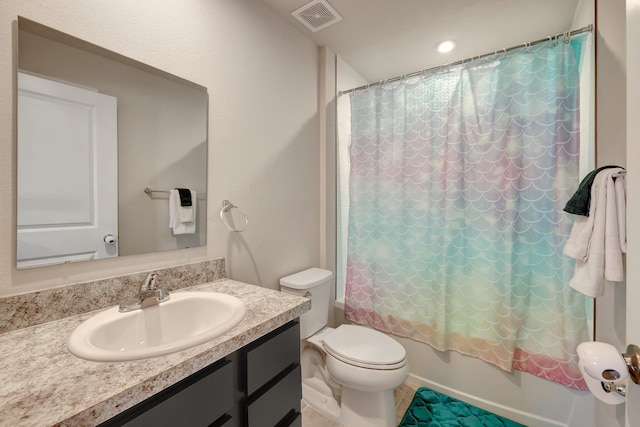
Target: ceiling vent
x=317 y=15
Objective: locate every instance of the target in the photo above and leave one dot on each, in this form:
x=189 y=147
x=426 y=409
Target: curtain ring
x=528 y=47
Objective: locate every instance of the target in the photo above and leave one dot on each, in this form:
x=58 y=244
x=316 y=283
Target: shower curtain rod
x=588 y=28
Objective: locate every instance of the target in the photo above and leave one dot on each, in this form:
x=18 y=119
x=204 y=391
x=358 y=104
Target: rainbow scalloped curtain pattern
x=457 y=183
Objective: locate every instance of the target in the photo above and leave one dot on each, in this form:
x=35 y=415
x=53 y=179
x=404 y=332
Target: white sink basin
x=186 y=320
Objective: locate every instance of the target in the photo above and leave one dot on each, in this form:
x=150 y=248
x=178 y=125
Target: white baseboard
x=526 y=418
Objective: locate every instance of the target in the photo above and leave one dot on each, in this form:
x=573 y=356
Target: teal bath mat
x=432 y=409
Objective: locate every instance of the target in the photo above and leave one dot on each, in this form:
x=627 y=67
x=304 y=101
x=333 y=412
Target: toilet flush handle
x=308 y=294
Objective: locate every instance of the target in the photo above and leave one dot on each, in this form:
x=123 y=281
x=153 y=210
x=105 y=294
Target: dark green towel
x=579 y=203
x=432 y=409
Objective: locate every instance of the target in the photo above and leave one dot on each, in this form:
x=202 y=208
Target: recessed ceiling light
x=446 y=46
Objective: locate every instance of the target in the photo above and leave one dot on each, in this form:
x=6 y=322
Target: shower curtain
x=457 y=183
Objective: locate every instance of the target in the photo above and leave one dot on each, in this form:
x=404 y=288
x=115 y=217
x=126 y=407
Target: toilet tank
x=313 y=283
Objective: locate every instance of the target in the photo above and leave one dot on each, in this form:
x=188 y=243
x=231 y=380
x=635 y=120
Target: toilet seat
x=364 y=347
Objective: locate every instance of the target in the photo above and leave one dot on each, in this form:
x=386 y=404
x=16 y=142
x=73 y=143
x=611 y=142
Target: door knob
x=110 y=239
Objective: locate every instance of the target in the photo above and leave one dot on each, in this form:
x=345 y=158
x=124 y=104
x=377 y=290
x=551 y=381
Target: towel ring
x=226 y=207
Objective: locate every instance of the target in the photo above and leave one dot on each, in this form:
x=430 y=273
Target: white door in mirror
x=62 y=131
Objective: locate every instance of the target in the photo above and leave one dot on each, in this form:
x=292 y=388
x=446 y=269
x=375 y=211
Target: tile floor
x=403 y=395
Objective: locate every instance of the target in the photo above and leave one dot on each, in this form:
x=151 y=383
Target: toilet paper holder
x=603 y=363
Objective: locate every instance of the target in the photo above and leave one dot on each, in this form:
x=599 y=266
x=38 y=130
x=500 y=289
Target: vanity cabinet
x=205 y=398
x=258 y=385
x=272 y=379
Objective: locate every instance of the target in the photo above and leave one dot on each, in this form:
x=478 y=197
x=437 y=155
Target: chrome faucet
x=149 y=295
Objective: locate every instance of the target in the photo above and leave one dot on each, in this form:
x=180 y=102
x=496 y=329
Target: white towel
x=577 y=246
x=621 y=200
x=613 y=269
x=182 y=219
x=595 y=240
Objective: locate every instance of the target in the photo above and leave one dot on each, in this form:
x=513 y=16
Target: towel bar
x=148 y=192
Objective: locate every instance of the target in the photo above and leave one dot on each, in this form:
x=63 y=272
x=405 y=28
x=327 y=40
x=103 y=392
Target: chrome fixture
x=227 y=218
x=603 y=363
x=149 y=192
x=632 y=360
x=609 y=387
x=149 y=295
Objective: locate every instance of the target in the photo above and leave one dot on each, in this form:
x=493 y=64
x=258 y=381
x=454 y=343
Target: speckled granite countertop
x=42 y=384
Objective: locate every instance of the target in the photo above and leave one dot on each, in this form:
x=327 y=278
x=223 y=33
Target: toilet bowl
x=349 y=372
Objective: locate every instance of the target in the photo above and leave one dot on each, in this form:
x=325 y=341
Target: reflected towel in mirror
x=182 y=219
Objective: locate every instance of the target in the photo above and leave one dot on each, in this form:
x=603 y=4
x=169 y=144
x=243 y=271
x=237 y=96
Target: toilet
x=348 y=373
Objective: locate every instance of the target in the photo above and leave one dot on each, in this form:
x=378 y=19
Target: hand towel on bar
x=182 y=219
x=595 y=240
x=186 y=205
x=580 y=202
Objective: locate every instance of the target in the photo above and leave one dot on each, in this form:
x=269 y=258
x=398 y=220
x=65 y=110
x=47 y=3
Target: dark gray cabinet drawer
x=277 y=402
x=198 y=400
x=297 y=422
x=273 y=356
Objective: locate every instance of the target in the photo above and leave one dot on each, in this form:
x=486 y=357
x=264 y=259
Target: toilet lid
x=365 y=347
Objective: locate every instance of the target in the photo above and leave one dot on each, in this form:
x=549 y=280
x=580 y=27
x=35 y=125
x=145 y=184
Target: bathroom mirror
x=95 y=129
